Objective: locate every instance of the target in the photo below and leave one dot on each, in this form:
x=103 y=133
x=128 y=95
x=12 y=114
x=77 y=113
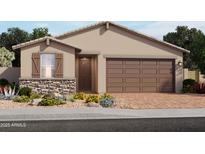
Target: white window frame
x=53 y=67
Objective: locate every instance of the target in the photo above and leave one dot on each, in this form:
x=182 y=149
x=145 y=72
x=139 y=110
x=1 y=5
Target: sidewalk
x=55 y=113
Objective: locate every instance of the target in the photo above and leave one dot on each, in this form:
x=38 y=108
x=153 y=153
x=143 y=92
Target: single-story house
x=104 y=57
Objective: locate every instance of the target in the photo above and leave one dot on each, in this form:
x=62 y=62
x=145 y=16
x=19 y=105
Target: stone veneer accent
x=48 y=86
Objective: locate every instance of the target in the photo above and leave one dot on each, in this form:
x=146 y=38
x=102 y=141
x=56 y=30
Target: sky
x=152 y=28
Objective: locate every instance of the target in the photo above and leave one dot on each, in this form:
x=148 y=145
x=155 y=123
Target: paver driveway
x=158 y=100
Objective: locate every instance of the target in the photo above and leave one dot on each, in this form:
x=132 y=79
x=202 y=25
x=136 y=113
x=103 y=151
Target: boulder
x=36 y=101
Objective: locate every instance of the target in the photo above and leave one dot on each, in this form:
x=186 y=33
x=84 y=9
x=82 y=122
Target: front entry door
x=85 y=74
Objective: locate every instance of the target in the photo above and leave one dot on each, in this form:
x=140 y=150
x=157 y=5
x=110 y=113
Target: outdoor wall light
x=179 y=63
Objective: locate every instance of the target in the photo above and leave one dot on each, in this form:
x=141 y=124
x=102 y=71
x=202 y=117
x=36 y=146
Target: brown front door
x=85 y=74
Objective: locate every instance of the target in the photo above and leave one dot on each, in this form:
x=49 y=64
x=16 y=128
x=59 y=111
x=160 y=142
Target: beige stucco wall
x=68 y=58
x=194 y=74
x=115 y=43
x=12 y=74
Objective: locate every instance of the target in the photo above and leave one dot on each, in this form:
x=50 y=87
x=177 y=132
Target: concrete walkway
x=54 y=113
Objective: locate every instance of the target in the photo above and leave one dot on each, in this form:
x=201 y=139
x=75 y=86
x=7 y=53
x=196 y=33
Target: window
x=47 y=65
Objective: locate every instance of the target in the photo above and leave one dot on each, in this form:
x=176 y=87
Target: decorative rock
x=36 y=101
x=57 y=95
x=61 y=86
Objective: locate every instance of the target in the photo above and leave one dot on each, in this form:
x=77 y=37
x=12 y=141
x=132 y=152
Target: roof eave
x=22 y=45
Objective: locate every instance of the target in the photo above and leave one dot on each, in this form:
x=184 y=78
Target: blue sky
x=153 y=28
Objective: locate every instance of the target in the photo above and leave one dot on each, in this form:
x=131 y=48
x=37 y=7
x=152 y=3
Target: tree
x=6 y=57
x=39 y=32
x=16 y=35
x=12 y=37
x=192 y=40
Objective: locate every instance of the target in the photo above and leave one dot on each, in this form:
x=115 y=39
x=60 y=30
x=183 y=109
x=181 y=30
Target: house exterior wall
x=115 y=42
x=12 y=74
x=68 y=56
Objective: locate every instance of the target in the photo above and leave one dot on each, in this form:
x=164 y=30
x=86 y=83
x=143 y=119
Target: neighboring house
x=105 y=57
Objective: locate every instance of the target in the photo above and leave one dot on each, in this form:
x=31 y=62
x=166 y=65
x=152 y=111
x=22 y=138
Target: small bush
x=189 y=86
x=69 y=98
x=92 y=98
x=106 y=96
x=48 y=96
x=25 y=91
x=106 y=102
x=72 y=100
x=35 y=95
x=14 y=85
x=4 y=82
x=50 y=102
x=80 y=96
x=21 y=99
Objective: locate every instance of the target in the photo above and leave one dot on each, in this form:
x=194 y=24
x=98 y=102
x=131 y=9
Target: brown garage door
x=139 y=75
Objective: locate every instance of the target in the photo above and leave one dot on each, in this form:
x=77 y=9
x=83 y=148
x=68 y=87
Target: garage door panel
x=149 y=67
x=115 y=89
x=114 y=80
x=132 y=66
x=165 y=89
x=149 y=89
x=140 y=75
x=149 y=80
x=149 y=71
x=132 y=62
x=131 y=80
x=149 y=84
x=165 y=79
x=165 y=71
x=129 y=84
x=115 y=84
x=165 y=63
x=165 y=67
x=115 y=75
x=114 y=71
x=132 y=71
x=114 y=66
x=166 y=84
x=114 y=62
x=149 y=63
x=132 y=89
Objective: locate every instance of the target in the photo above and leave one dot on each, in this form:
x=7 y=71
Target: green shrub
x=35 y=95
x=14 y=85
x=189 y=86
x=48 y=96
x=4 y=82
x=106 y=100
x=25 y=91
x=106 y=96
x=22 y=99
x=80 y=96
x=70 y=98
x=92 y=98
x=50 y=102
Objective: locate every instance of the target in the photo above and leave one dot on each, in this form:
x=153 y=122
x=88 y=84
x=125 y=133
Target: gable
x=117 y=41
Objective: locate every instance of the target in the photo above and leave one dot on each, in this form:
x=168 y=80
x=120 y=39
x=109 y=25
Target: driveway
x=158 y=100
